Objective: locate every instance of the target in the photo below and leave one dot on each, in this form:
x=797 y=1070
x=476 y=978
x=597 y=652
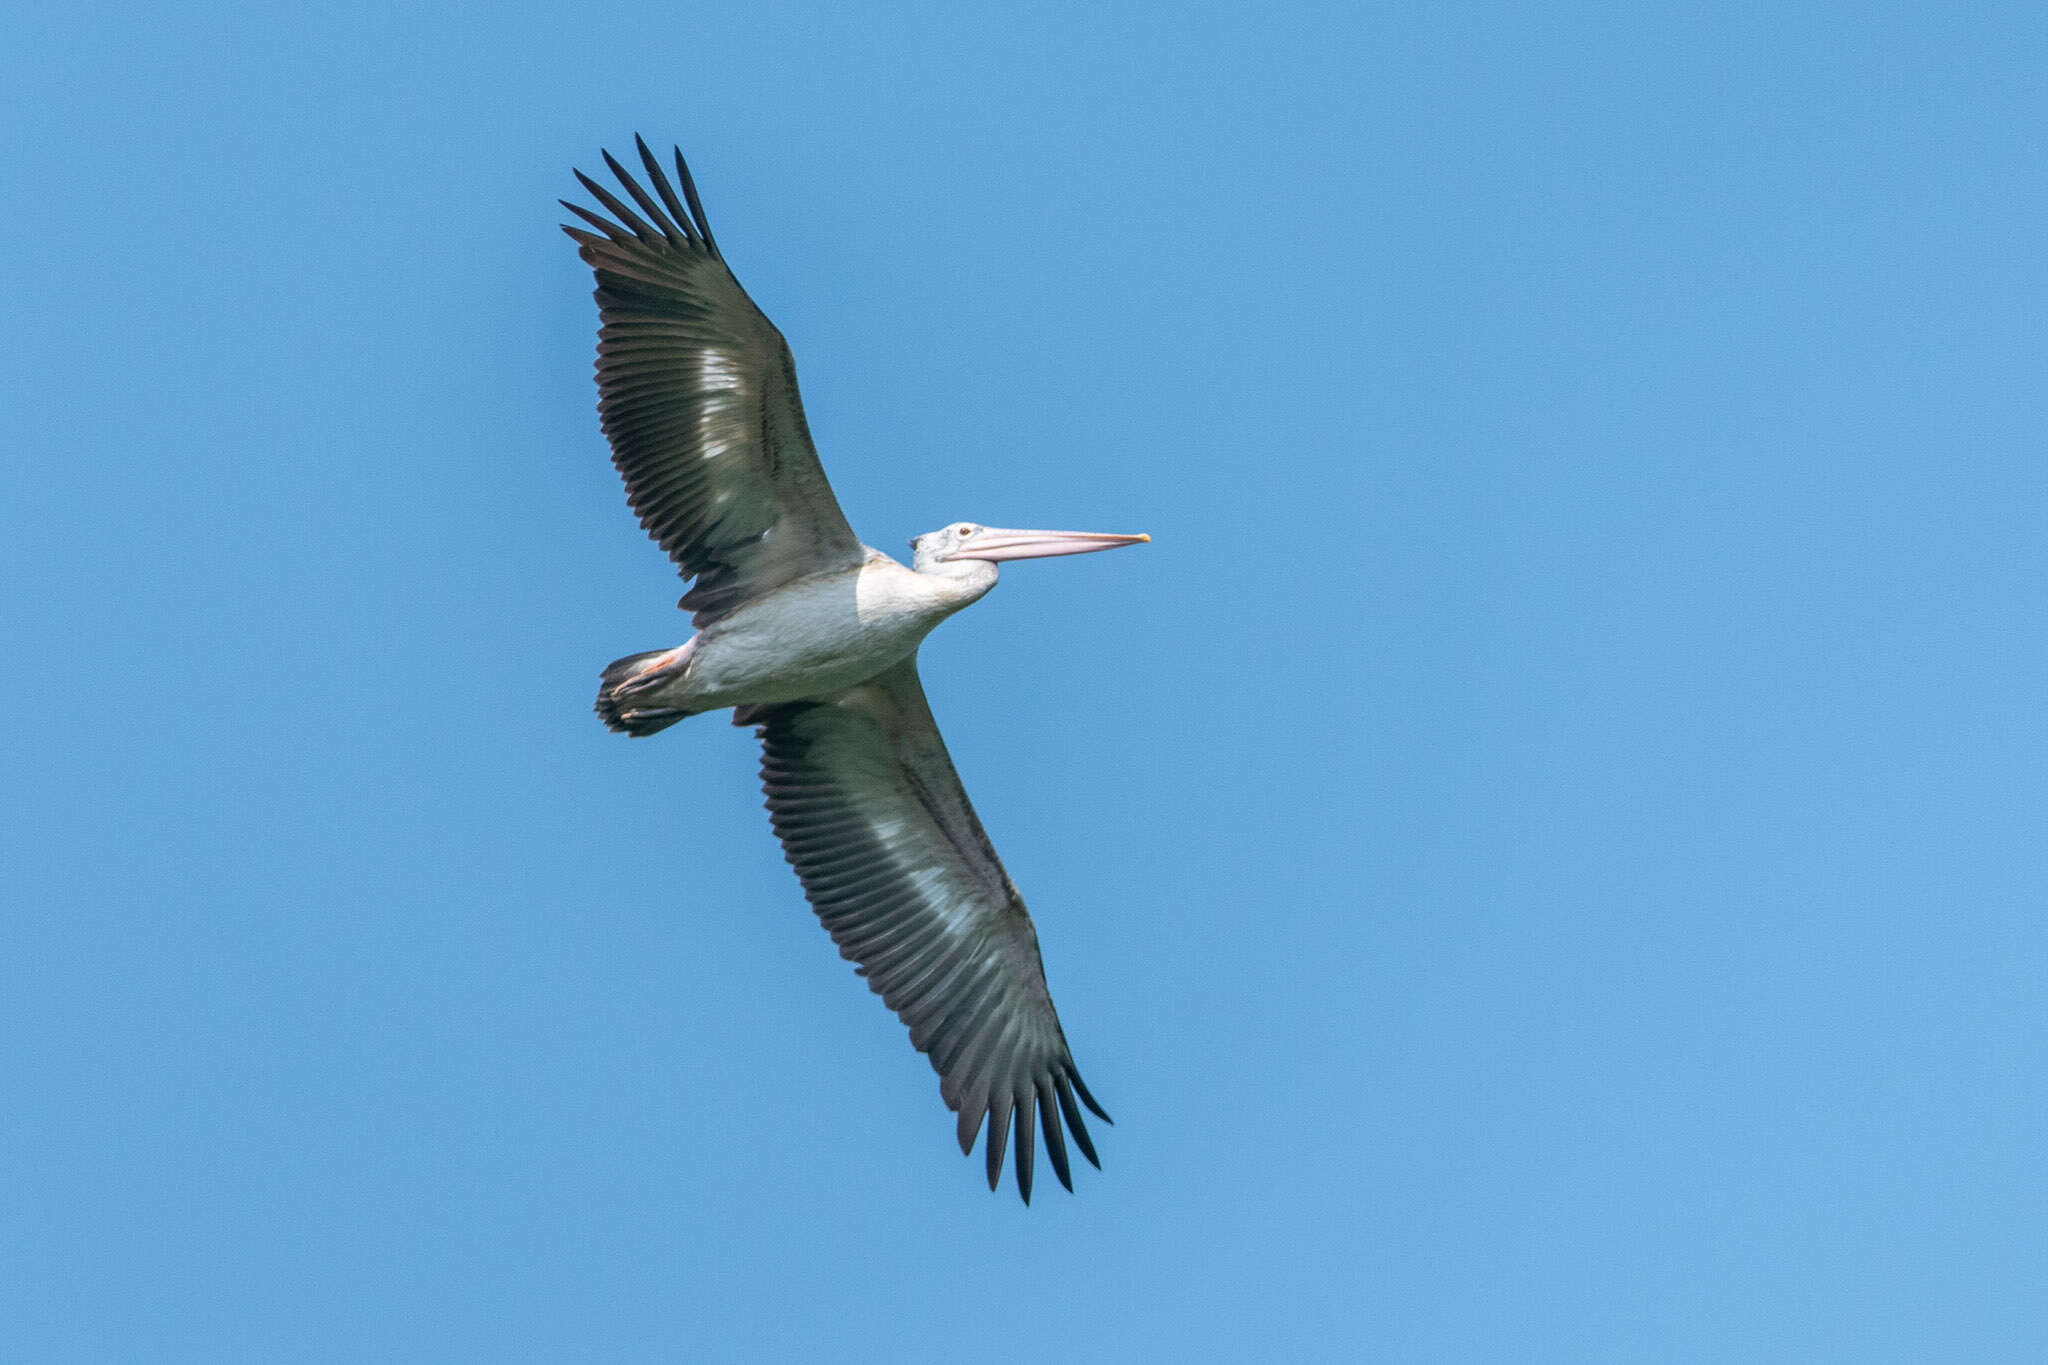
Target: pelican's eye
x=963 y=530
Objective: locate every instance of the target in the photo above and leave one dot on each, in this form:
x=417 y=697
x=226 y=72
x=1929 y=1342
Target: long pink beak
x=995 y=544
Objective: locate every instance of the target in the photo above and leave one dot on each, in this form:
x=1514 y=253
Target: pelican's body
x=811 y=637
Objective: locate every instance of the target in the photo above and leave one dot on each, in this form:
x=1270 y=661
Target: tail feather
x=618 y=712
x=641 y=723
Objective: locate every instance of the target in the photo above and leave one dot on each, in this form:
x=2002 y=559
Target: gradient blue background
x=1544 y=856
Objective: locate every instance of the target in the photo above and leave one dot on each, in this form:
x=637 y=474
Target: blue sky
x=1547 y=859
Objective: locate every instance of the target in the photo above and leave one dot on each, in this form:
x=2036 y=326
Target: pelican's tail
x=624 y=701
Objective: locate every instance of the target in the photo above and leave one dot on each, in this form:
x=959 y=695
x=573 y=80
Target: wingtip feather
x=646 y=202
x=667 y=191
x=597 y=220
x=1081 y=1089
x=1073 y=1116
x=969 y=1128
x=998 y=1139
x=1027 y=1147
x=1055 y=1140
x=616 y=206
x=696 y=204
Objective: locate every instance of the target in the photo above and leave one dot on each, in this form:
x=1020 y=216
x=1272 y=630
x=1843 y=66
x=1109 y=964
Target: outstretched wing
x=697 y=392
x=872 y=816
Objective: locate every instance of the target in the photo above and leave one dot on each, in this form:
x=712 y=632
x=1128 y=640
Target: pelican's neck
x=962 y=580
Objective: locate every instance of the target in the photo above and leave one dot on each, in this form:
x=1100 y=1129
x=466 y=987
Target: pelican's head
x=967 y=541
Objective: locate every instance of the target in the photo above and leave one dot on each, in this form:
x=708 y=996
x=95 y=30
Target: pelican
x=811 y=637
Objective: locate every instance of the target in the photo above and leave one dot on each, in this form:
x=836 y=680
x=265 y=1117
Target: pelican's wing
x=873 y=818
x=697 y=391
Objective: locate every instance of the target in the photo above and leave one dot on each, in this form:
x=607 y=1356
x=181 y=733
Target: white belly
x=813 y=638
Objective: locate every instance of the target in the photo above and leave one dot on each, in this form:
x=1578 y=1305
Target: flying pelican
x=811 y=637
